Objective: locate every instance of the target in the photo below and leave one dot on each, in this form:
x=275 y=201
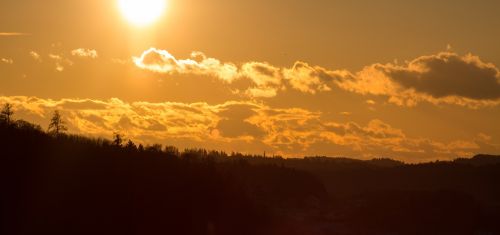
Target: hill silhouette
x=56 y=183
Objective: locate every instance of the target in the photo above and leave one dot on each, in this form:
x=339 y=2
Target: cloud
x=85 y=53
x=35 y=56
x=444 y=78
x=82 y=104
x=60 y=62
x=119 y=61
x=13 y=34
x=266 y=79
x=448 y=74
x=162 y=61
x=261 y=92
x=309 y=79
x=247 y=124
x=234 y=123
x=138 y=119
x=6 y=61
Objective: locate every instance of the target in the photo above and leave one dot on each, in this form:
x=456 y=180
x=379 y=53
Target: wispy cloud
x=6 y=61
x=85 y=53
x=35 y=56
x=60 y=62
x=11 y=34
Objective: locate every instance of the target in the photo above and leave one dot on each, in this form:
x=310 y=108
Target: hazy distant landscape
x=69 y=184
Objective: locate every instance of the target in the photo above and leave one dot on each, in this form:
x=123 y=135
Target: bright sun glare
x=142 y=12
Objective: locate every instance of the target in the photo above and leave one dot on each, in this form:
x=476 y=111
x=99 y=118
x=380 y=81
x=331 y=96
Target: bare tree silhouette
x=6 y=113
x=57 y=125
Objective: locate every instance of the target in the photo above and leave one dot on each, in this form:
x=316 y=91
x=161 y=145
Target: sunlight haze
x=142 y=12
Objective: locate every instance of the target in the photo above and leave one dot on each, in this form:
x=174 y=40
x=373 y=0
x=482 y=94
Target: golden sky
x=411 y=80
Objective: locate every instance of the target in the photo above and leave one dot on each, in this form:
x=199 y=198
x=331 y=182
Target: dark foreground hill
x=68 y=184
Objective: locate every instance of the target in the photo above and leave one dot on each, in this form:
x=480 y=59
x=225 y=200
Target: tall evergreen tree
x=57 y=125
x=6 y=114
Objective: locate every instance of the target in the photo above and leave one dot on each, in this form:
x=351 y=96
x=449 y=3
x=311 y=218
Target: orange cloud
x=60 y=62
x=253 y=126
x=35 y=56
x=444 y=78
x=309 y=79
x=85 y=53
x=162 y=61
x=6 y=61
x=266 y=79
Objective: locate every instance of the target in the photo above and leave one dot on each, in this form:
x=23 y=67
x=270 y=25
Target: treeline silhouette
x=57 y=183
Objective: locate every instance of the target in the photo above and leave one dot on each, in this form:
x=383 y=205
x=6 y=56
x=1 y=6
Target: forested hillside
x=56 y=183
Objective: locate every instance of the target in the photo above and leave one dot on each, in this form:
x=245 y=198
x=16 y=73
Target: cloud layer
x=444 y=78
x=341 y=112
x=237 y=125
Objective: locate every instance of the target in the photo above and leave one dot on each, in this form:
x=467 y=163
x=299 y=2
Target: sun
x=142 y=12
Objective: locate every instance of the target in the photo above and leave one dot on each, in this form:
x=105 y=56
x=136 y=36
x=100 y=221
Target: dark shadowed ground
x=67 y=184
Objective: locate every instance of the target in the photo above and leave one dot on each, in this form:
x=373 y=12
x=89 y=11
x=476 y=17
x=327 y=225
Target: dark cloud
x=234 y=124
x=125 y=123
x=444 y=78
x=82 y=104
x=265 y=70
x=450 y=75
x=96 y=120
x=156 y=126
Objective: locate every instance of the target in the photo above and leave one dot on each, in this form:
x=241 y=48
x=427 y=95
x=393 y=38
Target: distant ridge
x=480 y=160
x=477 y=160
